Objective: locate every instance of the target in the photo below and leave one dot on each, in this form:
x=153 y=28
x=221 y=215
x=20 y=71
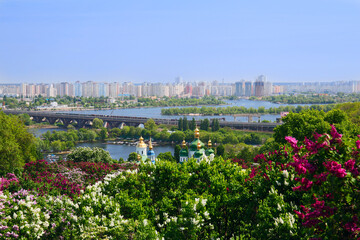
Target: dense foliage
x=223 y=135
x=306 y=123
x=65 y=140
x=242 y=110
x=312 y=98
x=93 y=155
x=352 y=110
x=305 y=190
x=16 y=144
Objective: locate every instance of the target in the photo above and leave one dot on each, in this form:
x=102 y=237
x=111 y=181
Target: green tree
x=335 y=116
x=220 y=150
x=115 y=132
x=185 y=124
x=177 y=136
x=215 y=125
x=204 y=124
x=97 y=123
x=17 y=145
x=103 y=134
x=150 y=125
x=90 y=135
x=192 y=124
x=166 y=156
x=56 y=146
x=180 y=124
x=86 y=154
x=25 y=118
x=177 y=152
x=132 y=157
x=301 y=125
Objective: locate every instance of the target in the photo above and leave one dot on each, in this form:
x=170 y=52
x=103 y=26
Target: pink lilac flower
x=306 y=185
x=349 y=165
x=293 y=142
x=358 y=143
x=334 y=132
x=335 y=168
x=321 y=178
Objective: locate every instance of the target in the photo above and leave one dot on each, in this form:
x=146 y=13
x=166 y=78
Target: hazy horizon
x=155 y=41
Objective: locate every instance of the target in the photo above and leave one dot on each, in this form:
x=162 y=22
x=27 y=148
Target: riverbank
x=42 y=126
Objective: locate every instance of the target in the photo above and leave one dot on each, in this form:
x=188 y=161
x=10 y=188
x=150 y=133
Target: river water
x=117 y=151
x=155 y=112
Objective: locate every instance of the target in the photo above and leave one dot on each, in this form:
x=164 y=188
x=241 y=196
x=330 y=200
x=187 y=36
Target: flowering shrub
x=10 y=182
x=63 y=178
x=305 y=190
x=324 y=181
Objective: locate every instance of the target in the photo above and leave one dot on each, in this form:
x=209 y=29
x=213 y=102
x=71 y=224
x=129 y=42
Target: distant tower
x=209 y=151
x=194 y=144
x=151 y=153
x=248 y=89
x=199 y=153
x=141 y=149
x=183 y=152
x=240 y=88
x=259 y=86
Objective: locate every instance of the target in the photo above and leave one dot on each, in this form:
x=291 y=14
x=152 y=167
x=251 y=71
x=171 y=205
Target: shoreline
x=41 y=126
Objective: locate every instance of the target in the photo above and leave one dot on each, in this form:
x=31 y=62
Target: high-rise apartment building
x=78 y=89
x=240 y=88
x=259 y=86
x=87 y=89
x=248 y=89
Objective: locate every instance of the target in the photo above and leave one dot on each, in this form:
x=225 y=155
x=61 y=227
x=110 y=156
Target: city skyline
x=298 y=41
x=244 y=88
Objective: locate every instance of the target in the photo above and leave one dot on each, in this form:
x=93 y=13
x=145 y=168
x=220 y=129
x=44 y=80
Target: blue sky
x=156 y=41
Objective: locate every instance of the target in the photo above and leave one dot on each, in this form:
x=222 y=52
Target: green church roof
x=209 y=151
x=184 y=153
x=193 y=145
x=198 y=153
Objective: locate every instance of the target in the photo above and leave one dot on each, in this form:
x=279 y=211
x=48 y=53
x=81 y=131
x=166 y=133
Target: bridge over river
x=82 y=120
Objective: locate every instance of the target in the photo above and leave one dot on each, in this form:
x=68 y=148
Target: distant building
x=78 y=89
x=196 y=150
x=143 y=153
x=260 y=86
x=248 y=89
x=240 y=88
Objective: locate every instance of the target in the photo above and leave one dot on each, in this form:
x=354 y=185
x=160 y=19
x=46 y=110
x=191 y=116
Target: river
x=117 y=151
x=155 y=112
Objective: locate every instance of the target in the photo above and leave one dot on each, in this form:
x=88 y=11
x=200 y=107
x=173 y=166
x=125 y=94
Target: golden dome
x=197 y=134
x=209 y=143
x=150 y=145
x=141 y=143
x=183 y=144
x=198 y=145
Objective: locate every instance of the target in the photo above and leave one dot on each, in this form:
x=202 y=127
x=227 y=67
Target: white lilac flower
x=285 y=173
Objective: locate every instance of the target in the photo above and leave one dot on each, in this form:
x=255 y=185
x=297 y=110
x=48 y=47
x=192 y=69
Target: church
x=143 y=153
x=196 y=150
